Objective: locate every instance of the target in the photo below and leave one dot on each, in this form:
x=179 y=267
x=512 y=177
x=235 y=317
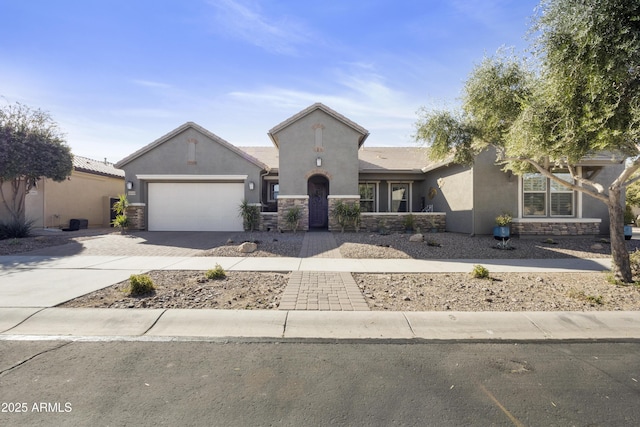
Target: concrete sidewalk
x=170 y=325
x=145 y=263
x=31 y=285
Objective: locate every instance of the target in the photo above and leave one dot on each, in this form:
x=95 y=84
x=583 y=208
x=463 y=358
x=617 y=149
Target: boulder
x=416 y=238
x=247 y=247
x=596 y=247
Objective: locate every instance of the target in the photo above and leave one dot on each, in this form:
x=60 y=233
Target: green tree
x=579 y=96
x=31 y=147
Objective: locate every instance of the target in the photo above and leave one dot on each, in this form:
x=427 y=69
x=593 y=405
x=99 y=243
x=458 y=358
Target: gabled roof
x=371 y=160
x=198 y=128
x=267 y=155
x=392 y=159
x=84 y=164
x=319 y=106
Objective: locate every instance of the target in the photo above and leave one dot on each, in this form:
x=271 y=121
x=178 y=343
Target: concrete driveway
x=139 y=243
x=53 y=275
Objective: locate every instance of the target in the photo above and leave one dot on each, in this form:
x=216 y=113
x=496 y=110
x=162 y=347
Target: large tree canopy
x=31 y=147
x=576 y=96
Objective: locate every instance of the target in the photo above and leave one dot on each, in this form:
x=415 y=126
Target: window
x=367 y=197
x=535 y=195
x=399 y=197
x=561 y=197
x=544 y=197
x=274 y=189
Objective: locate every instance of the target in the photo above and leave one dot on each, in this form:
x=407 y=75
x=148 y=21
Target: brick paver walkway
x=319 y=245
x=319 y=290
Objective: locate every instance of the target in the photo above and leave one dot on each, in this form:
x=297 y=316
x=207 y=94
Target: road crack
x=25 y=361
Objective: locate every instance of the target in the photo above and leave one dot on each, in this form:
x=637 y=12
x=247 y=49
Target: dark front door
x=318 y=188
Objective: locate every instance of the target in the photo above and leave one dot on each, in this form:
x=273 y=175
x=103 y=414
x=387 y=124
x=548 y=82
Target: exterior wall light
x=129 y=185
x=319 y=161
x=251 y=185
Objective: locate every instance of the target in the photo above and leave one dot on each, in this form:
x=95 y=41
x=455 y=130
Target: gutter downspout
x=473 y=203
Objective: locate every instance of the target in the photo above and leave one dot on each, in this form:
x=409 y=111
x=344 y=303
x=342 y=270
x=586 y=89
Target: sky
x=118 y=74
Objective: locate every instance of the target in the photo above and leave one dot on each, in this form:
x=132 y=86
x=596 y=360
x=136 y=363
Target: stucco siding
x=452 y=194
x=318 y=135
x=190 y=153
x=83 y=195
x=495 y=192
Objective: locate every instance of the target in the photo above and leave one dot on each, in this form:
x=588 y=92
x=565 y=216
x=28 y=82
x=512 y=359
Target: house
x=88 y=193
x=191 y=179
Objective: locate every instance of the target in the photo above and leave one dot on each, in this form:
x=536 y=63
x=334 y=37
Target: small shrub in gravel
x=216 y=273
x=15 y=229
x=634 y=259
x=480 y=272
x=140 y=284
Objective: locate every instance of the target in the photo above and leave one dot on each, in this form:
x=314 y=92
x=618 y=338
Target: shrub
x=140 y=284
x=409 y=222
x=591 y=299
x=121 y=222
x=216 y=273
x=120 y=208
x=629 y=217
x=382 y=227
x=634 y=259
x=15 y=229
x=293 y=217
x=250 y=215
x=480 y=272
x=347 y=215
x=504 y=219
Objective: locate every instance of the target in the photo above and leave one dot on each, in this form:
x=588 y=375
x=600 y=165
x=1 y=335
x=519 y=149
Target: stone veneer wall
x=136 y=212
x=557 y=228
x=287 y=202
x=268 y=221
x=333 y=201
x=394 y=222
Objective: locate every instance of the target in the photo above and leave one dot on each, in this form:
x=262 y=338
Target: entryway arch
x=318 y=190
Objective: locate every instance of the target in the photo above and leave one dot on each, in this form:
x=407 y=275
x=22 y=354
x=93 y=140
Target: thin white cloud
x=246 y=21
x=360 y=95
x=151 y=84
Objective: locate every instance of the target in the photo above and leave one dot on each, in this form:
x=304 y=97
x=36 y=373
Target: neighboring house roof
x=319 y=106
x=96 y=167
x=602 y=158
x=198 y=128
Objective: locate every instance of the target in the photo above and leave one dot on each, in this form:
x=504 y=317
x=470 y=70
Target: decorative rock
x=596 y=247
x=247 y=247
x=416 y=238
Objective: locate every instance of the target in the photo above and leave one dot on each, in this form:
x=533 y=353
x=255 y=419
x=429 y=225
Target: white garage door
x=189 y=206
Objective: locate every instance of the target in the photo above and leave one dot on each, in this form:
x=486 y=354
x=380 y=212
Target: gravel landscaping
x=191 y=289
x=407 y=292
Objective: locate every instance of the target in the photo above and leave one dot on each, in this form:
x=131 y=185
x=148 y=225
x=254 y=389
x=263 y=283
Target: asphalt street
x=306 y=383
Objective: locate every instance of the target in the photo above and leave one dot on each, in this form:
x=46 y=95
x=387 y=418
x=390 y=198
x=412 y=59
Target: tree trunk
x=621 y=265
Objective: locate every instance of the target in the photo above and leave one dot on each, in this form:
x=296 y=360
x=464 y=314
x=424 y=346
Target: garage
x=194 y=206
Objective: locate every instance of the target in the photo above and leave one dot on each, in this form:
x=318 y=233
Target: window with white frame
x=274 y=189
x=400 y=197
x=562 y=197
x=542 y=197
x=367 y=197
